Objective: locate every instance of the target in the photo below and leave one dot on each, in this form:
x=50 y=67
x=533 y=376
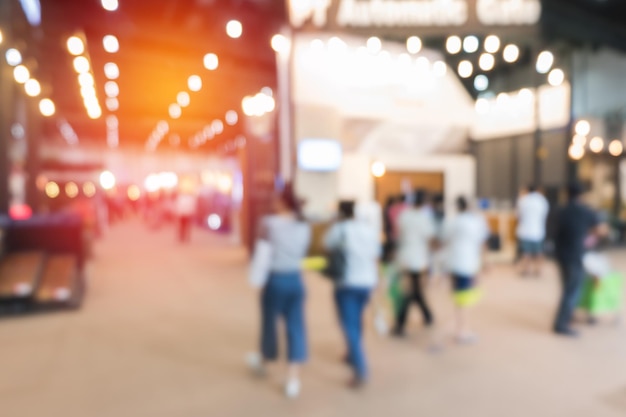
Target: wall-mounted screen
x=319 y=155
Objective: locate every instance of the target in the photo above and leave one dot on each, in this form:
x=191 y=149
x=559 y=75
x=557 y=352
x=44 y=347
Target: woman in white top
x=361 y=246
x=283 y=295
x=465 y=237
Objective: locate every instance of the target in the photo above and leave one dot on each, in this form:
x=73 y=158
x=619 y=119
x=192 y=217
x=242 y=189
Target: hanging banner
x=420 y=16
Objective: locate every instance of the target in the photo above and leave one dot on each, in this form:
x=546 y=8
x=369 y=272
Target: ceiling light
x=481 y=82
x=453 y=45
x=556 y=77
x=596 y=144
x=86 y=79
x=544 y=62
x=75 y=45
x=280 y=44
x=217 y=126
x=32 y=88
x=211 y=62
x=232 y=117
x=492 y=44
x=112 y=104
x=1 y=37
x=234 y=29
x=110 y=5
x=440 y=68
x=46 y=107
x=175 y=111
x=576 y=152
x=111 y=89
x=465 y=69
x=183 y=99
x=21 y=74
x=81 y=64
x=413 y=44
x=616 y=147
x=94 y=112
x=194 y=83
x=374 y=45
x=486 y=62
x=511 y=53
x=111 y=70
x=482 y=106
x=470 y=44
x=13 y=56
x=583 y=127
x=110 y=44
x=579 y=140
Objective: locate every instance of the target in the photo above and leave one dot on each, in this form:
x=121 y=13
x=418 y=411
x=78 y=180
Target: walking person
x=465 y=238
x=283 y=295
x=532 y=212
x=186 y=205
x=361 y=247
x=576 y=227
x=417 y=229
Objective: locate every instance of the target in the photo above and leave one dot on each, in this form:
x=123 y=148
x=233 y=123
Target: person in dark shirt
x=575 y=226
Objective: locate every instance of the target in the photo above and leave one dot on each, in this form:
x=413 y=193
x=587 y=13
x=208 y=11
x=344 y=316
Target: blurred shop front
x=389 y=96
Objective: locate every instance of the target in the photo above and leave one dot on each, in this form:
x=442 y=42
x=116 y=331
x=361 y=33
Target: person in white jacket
x=362 y=249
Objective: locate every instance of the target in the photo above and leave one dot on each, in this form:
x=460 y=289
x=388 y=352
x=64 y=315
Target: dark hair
x=420 y=197
x=438 y=198
x=532 y=188
x=574 y=190
x=346 y=209
x=291 y=201
x=461 y=203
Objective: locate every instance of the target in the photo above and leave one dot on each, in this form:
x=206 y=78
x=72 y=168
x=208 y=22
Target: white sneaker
x=292 y=388
x=255 y=363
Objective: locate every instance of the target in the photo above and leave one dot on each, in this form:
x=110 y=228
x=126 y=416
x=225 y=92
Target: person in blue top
x=576 y=227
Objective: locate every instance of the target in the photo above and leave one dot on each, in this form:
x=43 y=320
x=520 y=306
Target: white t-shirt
x=464 y=237
x=362 y=249
x=290 y=240
x=532 y=211
x=416 y=228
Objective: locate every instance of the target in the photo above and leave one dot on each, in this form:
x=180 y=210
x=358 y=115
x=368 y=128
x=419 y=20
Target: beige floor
x=165 y=329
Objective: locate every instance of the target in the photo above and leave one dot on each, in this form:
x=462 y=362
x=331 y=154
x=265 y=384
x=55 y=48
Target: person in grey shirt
x=284 y=294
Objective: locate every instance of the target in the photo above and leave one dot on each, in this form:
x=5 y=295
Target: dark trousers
x=415 y=294
x=184 y=228
x=572 y=277
x=283 y=296
x=351 y=303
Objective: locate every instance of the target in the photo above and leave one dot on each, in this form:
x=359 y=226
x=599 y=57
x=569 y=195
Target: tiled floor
x=165 y=329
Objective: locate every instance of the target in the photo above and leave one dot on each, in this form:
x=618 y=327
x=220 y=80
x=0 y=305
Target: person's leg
x=351 y=303
x=403 y=309
x=293 y=311
x=269 y=316
x=419 y=297
x=572 y=275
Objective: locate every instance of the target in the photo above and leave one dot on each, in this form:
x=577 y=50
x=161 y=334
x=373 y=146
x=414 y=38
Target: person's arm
x=332 y=238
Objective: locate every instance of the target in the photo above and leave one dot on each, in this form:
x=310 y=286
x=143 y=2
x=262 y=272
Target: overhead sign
x=339 y=14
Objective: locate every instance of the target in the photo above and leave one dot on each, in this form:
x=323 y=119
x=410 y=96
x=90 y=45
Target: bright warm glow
x=470 y=44
x=111 y=70
x=526 y=94
x=52 y=189
x=21 y=74
x=336 y=45
x=481 y=82
x=440 y=68
x=225 y=183
x=107 y=180
x=583 y=127
x=111 y=89
x=378 y=169
x=492 y=44
x=556 y=77
x=482 y=106
x=280 y=44
x=413 y=44
x=194 y=83
x=545 y=60
x=112 y=122
x=422 y=64
x=486 y=62
x=89 y=189
x=175 y=111
x=81 y=64
x=231 y=117
x=511 y=53
x=183 y=99
x=579 y=140
x=374 y=45
x=217 y=126
x=71 y=189
x=211 y=61
x=110 y=5
x=75 y=45
x=234 y=29
x=88 y=93
x=162 y=127
x=502 y=98
x=152 y=183
x=86 y=80
x=616 y=147
x=576 y=152
x=134 y=193
x=110 y=44
x=41 y=182
x=13 y=56
x=258 y=105
x=465 y=69
x=596 y=144
x=46 y=107
x=32 y=87
x=94 y=112
x=214 y=221
x=168 y=180
x=1 y=37
x=454 y=44
x=112 y=104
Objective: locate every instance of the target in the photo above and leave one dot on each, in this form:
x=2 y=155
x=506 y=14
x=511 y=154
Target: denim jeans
x=283 y=296
x=350 y=305
x=572 y=277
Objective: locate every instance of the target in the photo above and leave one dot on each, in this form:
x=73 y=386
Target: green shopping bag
x=603 y=296
x=394 y=289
